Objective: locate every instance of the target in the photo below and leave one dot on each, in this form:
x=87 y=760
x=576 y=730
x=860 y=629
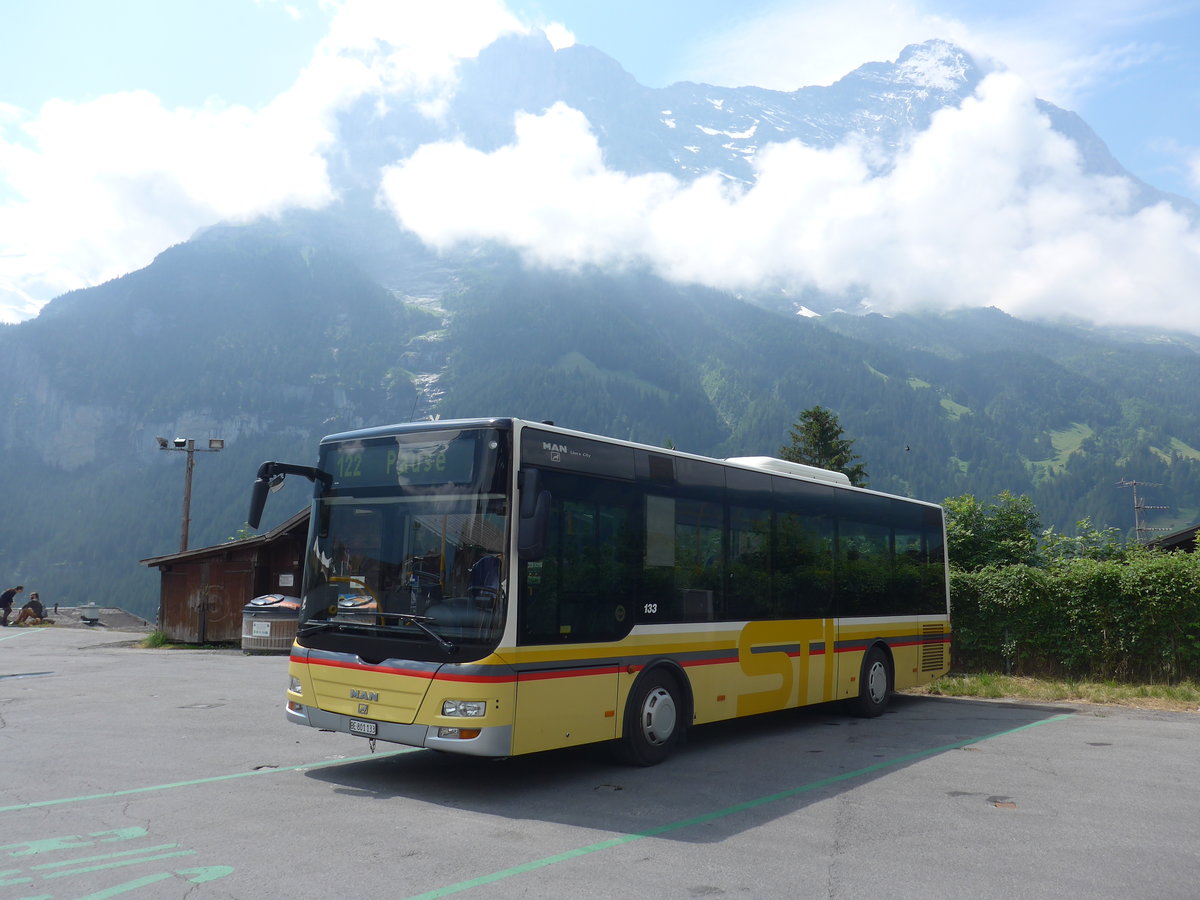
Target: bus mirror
x=530 y=482
x=270 y=478
x=531 y=532
x=258 y=500
x=534 y=516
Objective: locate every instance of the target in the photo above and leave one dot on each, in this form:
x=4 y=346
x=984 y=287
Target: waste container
x=269 y=623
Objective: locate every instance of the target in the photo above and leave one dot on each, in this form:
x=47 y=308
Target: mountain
x=274 y=333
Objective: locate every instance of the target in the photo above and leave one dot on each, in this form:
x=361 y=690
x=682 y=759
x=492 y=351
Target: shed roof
x=285 y=527
x=1184 y=539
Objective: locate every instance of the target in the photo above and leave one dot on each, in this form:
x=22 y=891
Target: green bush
x=1126 y=618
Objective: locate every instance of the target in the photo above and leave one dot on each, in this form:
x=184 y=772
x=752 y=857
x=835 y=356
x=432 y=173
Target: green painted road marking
x=75 y=841
x=211 y=780
x=721 y=813
x=123 y=854
x=17 y=632
x=195 y=876
x=100 y=867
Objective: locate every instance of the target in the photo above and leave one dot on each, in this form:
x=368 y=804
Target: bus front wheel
x=874 y=685
x=653 y=720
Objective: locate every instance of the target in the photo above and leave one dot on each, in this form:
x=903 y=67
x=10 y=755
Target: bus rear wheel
x=874 y=685
x=653 y=720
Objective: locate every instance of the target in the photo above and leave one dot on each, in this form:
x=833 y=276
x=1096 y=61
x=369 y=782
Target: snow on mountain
x=924 y=180
x=936 y=65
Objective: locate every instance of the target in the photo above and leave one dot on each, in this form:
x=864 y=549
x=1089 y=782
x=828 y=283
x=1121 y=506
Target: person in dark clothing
x=6 y=602
x=32 y=612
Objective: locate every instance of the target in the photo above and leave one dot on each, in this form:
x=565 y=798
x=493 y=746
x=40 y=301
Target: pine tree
x=817 y=441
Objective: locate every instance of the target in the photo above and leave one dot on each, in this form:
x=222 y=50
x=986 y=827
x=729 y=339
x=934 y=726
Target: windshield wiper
x=312 y=626
x=420 y=621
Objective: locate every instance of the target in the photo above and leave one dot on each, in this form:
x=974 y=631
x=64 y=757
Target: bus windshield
x=408 y=545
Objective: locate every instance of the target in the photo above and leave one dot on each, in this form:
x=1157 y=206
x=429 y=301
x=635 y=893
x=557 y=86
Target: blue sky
x=177 y=78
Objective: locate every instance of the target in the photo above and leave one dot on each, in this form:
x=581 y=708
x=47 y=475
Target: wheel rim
x=658 y=717
x=877 y=682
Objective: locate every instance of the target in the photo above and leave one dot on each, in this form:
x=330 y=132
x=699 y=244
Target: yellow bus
x=496 y=587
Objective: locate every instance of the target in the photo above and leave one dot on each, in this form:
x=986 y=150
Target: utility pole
x=1140 y=527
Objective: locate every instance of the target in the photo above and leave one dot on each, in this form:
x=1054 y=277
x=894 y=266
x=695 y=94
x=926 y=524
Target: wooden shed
x=202 y=592
x=1184 y=539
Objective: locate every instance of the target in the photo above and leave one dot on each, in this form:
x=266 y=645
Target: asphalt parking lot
x=163 y=773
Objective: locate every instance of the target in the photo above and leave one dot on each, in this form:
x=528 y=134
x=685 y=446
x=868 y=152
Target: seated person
x=32 y=613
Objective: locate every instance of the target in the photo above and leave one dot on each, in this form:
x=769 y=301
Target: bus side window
x=658 y=575
x=748 y=587
x=681 y=581
x=585 y=584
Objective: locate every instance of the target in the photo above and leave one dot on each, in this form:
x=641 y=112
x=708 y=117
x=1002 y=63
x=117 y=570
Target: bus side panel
x=931 y=652
x=788 y=663
x=762 y=667
x=822 y=666
x=565 y=707
x=919 y=649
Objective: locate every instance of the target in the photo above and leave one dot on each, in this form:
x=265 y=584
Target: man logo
x=362 y=709
x=373 y=696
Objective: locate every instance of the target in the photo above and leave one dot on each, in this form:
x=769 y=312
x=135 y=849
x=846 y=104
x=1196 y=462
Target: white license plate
x=370 y=729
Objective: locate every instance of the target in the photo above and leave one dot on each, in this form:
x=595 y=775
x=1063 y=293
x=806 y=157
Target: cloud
x=1193 y=167
x=92 y=190
x=403 y=47
x=989 y=206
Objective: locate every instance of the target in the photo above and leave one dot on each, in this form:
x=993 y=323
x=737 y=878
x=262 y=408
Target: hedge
x=1134 y=618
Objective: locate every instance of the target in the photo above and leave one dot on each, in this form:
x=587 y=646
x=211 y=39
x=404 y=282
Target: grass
x=157 y=640
x=1184 y=696
x=1065 y=443
x=954 y=410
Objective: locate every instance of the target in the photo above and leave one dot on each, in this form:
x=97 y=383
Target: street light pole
x=187 y=495
x=188 y=446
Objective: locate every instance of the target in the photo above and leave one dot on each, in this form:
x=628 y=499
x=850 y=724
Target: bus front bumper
x=495 y=741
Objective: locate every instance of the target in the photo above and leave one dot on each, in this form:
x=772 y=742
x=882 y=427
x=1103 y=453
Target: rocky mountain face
x=686 y=130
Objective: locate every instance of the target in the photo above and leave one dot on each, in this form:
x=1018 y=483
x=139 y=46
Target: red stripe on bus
x=567 y=673
x=475 y=679
x=363 y=667
x=715 y=661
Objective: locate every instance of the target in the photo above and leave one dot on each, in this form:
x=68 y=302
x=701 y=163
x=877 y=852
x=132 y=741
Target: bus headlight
x=294 y=685
x=471 y=709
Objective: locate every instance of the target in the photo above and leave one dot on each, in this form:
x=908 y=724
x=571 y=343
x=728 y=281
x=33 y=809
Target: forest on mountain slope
x=270 y=343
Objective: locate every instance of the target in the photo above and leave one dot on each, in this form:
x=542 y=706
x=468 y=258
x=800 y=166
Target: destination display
x=429 y=460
